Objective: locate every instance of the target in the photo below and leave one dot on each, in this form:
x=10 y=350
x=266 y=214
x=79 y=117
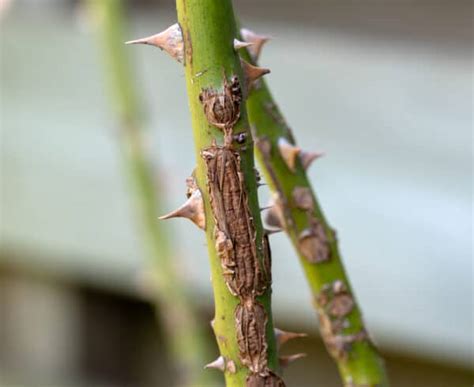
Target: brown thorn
x=273 y=216
x=267 y=231
x=288 y=152
x=285 y=361
x=170 y=40
x=193 y=209
x=252 y=73
x=308 y=157
x=283 y=336
x=257 y=40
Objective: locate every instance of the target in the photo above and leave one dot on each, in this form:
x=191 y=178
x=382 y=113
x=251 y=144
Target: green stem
x=340 y=317
x=184 y=335
x=208 y=28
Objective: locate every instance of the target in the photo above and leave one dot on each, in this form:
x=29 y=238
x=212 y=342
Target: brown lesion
x=222 y=108
x=313 y=242
x=270 y=380
x=245 y=261
x=245 y=274
x=334 y=304
x=235 y=232
x=188 y=48
x=336 y=299
x=251 y=320
x=303 y=198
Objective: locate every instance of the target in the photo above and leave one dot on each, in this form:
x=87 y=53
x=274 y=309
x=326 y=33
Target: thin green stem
x=185 y=338
x=315 y=242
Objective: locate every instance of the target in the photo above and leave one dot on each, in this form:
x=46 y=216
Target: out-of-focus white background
x=383 y=88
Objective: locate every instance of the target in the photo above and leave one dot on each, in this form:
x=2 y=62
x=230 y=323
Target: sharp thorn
x=193 y=209
x=285 y=361
x=170 y=40
x=282 y=336
x=257 y=40
x=308 y=157
x=239 y=44
x=218 y=364
x=252 y=73
x=272 y=231
x=288 y=152
x=273 y=216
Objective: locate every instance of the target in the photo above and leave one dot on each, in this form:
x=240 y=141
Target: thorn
x=257 y=40
x=288 y=152
x=170 y=40
x=282 y=336
x=193 y=209
x=273 y=217
x=285 y=361
x=267 y=231
x=308 y=157
x=218 y=364
x=238 y=44
x=252 y=73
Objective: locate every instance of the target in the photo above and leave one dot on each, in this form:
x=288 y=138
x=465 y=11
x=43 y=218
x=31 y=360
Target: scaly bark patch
x=246 y=264
x=222 y=109
x=251 y=321
x=313 y=242
x=234 y=228
x=334 y=304
x=270 y=380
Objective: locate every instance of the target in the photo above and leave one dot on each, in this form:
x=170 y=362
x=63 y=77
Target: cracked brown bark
x=225 y=174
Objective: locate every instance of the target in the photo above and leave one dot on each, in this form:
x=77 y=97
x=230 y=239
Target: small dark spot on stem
x=240 y=138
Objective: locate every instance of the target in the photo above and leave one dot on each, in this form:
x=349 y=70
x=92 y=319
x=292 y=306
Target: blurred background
x=384 y=88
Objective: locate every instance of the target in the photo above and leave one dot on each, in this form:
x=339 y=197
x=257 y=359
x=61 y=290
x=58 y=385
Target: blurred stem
x=343 y=331
x=187 y=342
